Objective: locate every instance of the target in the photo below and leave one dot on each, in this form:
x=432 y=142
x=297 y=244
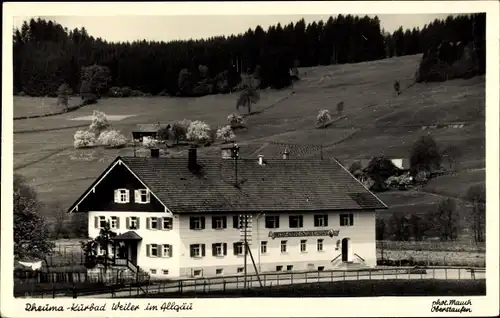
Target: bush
x=115 y=92
x=84 y=139
x=179 y=129
x=126 y=92
x=136 y=93
x=236 y=121
x=198 y=131
x=225 y=133
x=99 y=122
x=150 y=143
x=323 y=118
x=112 y=139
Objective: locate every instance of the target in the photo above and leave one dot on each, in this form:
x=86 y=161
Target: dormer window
x=122 y=196
x=142 y=196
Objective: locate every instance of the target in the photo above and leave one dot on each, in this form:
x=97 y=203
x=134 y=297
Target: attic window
x=142 y=196
x=122 y=196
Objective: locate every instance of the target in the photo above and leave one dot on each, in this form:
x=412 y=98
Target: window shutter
x=127 y=196
x=147 y=196
x=213 y=222
x=191 y=253
x=235 y=246
x=203 y=250
x=127 y=223
x=159 y=223
x=117 y=196
x=326 y=219
x=170 y=251
x=147 y=249
x=213 y=249
x=301 y=221
x=277 y=221
x=290 y=221
x=202 y=222
x=96 y=222
x=148 y=223
x=137 y=223
x=224 y=246
x=224 y=222
x=236 y=222
x=170 y=223
x=191 y=223
x=137 y=196
x=351 y=219
x=159 y=249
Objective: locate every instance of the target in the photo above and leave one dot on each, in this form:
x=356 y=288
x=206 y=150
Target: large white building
x=181 y=217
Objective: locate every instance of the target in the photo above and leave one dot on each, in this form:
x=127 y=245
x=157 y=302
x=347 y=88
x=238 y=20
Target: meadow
x=374 y=122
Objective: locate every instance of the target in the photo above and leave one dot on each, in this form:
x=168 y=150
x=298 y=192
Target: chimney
x=192 y=162
x=261 y=160
x=155 y=153
x=286 y=154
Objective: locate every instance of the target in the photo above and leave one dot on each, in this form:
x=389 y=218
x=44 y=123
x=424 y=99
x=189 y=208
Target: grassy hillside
x=374 y=122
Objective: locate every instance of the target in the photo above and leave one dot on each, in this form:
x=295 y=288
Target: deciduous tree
x=424 y=155
x=477 y=195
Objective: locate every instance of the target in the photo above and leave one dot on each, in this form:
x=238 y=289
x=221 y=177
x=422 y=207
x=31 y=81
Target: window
x=272 y=221
x=263 y=247
x=289 y=267
x=219 y=222
x=295 y=221
x=133 y=223
x=153 y=250
x=236 y=222
x=321 y=220
x=197 y=272
x=114 y=222
x=196 y=223
x=165 y=272
x=197 y=250
x=219 y=249
x=153 y=223
x=102 y=221
x=347 y=219
x=279 y=268
x=283 y=246
x=167 y=250
x=218 y=271
x=153 y=271
x=240 y=270
x=238 y=248
x=102 y=250
x=122 y=196
x=142 y=196
x=320 y=245
x=303 y=245
x=321 y=268
x=167 y=223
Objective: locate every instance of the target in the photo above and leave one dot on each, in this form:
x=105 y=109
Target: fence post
x=204 y=285
x=224 y=284
x=446 y=273
x=180 y=286
x=318 y=276
x=306 y=276
x=383 y=274
x=331 y=275
x=265 y=279
x=397 y=273
x=344 y=274
x=237 y=284
x=357 y=275
x=278 y=279
x=459 y=270
x=291 y=278
x=370 y=276
x=433 y=273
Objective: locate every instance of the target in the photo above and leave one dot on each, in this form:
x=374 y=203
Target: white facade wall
x=361 y=235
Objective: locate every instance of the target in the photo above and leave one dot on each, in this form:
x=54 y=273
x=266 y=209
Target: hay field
x=374 y=122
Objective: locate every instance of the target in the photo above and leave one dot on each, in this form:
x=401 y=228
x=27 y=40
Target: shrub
x=112 y=139
x=99 y=122
x=115 y=92
x=198 y=131
x=179 y=129
x=136 y=93
x=236 y=121
x=323 y=118
x=150 y=143
x=84 y=139
x=126 y=92
x=225 y=133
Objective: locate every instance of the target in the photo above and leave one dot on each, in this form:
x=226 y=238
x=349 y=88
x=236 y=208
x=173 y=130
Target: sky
x=167 y=28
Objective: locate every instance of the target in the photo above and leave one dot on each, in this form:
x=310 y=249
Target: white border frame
x=247 y=307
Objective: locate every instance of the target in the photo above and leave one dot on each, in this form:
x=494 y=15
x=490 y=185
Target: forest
x=47 y=55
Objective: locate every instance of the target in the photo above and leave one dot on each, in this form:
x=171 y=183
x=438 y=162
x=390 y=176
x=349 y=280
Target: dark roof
x=130 y=235
x=279 y=185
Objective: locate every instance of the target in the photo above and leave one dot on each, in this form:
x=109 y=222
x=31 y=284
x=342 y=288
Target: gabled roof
x=279 y=185
x=129 y=235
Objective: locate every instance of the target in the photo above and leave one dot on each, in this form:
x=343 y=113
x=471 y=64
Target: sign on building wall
x=330 y=233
